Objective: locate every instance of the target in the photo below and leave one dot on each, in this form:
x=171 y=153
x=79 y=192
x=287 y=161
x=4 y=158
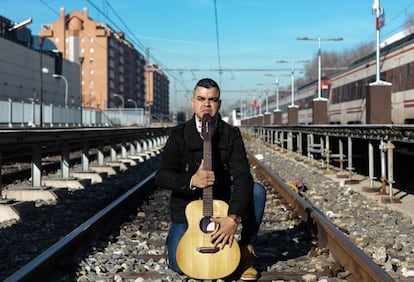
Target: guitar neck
x=208 y=191
x=207 y=156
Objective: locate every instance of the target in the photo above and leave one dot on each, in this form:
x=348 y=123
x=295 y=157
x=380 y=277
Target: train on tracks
x=345 y=90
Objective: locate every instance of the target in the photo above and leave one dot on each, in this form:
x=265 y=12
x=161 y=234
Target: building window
x=57 y=39
x=91 y=71
x=82 y=50
x=91 y=50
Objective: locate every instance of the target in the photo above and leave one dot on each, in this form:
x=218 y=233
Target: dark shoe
x=248 y=272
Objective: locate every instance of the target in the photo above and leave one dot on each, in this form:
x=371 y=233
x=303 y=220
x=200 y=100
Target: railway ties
x=359 y=216
x=136 y=249
x=67 y=171
x=287 y=249
x=45 y=225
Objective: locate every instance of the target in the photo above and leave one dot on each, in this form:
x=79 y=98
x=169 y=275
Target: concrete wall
x=20 y=76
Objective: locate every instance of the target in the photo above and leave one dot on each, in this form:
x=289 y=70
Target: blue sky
x=252 y=34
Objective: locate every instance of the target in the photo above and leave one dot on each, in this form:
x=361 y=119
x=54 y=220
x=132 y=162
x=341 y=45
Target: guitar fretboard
x=207 y=131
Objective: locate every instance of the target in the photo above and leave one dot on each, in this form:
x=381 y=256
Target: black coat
x=181 y=158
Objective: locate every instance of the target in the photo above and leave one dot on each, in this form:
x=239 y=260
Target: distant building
x=109 y=65
x=21 y=63
x=157 y=88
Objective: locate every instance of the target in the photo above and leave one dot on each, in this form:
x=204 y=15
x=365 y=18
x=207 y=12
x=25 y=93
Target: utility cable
x=218 y=39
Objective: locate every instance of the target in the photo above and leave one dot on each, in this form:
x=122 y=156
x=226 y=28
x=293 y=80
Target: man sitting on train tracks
x=181 y=170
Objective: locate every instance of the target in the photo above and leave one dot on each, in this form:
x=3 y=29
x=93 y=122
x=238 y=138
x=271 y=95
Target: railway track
x=125 y=241
x=329 y=236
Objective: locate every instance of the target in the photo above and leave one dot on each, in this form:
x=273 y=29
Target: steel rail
x=41 y=267
x=347 y=254
x=343 y=250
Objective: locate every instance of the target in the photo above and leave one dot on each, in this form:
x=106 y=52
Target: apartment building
x=113 y=73
x=157 y=86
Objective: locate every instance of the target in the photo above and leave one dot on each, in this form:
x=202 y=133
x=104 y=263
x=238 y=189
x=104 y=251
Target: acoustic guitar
x=196 y=255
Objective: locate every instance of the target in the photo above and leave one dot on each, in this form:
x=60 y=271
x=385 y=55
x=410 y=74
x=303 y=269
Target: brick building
x=109 y=64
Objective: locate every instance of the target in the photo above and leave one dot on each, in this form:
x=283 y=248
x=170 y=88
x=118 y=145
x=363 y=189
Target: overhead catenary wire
x=50 y=8
x=131 y=35
x=217 y=40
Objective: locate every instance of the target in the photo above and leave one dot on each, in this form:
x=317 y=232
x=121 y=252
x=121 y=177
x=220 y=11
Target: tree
x=333 y=62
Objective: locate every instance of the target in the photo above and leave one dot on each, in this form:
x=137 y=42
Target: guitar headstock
x=206 y=127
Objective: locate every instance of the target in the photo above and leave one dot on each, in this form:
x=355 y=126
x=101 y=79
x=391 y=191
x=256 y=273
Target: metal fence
x=22 y=114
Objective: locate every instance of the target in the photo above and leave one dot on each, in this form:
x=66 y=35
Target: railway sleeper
x=19 y=200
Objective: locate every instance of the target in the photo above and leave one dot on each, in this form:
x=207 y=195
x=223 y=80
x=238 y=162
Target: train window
x=398 y=79
x=405 y=75
x=388 y=75
x=410 y=76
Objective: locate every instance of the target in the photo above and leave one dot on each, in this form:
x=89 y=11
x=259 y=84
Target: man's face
x=205 y=101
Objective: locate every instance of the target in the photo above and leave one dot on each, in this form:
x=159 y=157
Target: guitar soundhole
x=208 y=226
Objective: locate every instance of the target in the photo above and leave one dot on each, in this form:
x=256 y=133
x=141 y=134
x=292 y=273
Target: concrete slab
x=35 y=193
x=15 y=210
x=398 y=200
x=122 y=166
x=143 y=155
x=92 y=176
x=137 y=158
x=70 y=183
x=109 y=170
x=129 y=161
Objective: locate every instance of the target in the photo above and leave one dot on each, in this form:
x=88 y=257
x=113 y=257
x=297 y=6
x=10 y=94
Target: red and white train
x=345 y=90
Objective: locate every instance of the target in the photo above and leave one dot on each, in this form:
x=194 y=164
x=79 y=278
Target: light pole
x=81 y=60
x=292 y=74
x=277 y=93
x=319 y=56
x=277 y=87
x=66 y=87
x=266 y=96
x=120 y=97
x=132 y=101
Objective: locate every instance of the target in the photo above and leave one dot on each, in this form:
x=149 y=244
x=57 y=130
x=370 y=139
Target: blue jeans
x=251 y=223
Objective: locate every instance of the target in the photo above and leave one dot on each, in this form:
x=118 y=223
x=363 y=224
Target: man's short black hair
x=207 y=83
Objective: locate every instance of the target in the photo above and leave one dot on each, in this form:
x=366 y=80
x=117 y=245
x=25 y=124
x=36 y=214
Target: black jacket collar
x=195 y=142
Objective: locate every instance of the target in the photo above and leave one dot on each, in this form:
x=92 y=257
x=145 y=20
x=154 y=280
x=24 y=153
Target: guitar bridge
x=207 y=250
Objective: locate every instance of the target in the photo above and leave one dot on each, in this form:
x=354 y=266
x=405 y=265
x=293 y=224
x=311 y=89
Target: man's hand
x=203 y=178
x=225 y=234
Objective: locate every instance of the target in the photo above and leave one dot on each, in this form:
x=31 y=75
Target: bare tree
x=409 y=22
x=333 y=62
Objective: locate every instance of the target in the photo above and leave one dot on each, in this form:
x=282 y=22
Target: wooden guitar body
x=196 y=255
